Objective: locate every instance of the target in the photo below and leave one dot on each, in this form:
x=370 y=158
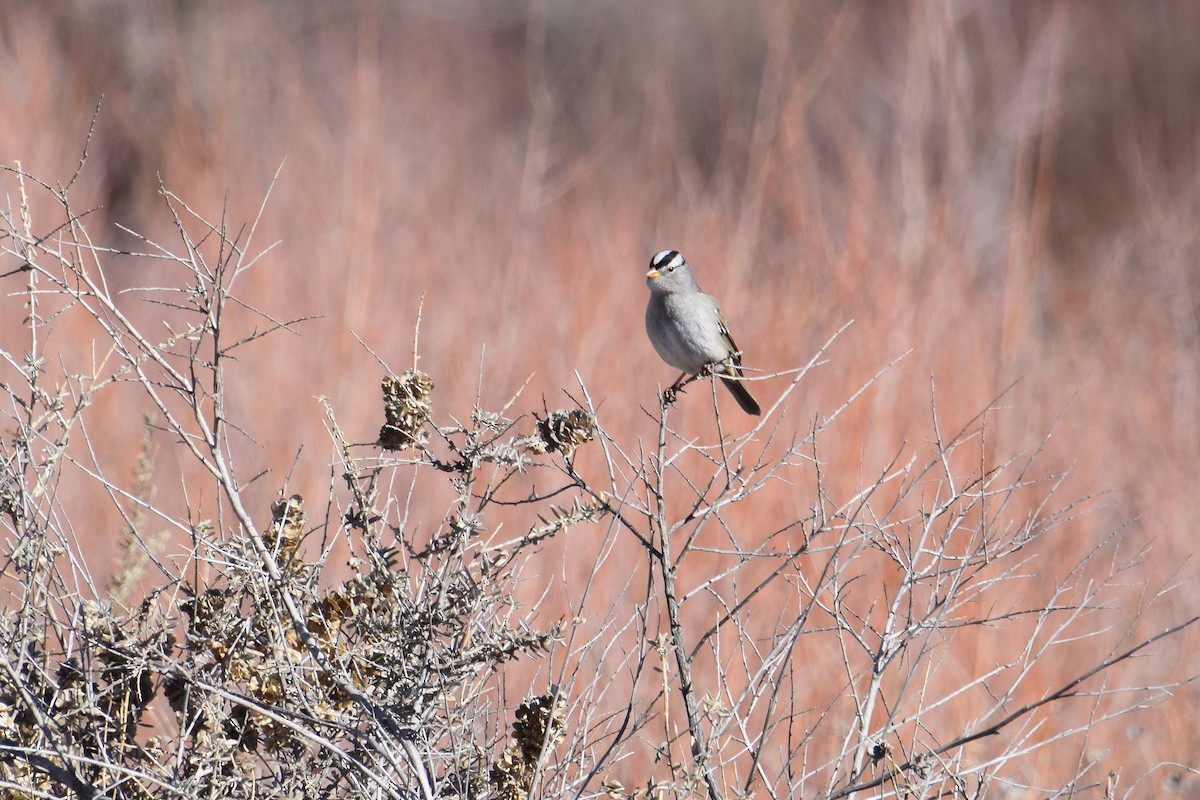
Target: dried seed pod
x=287 y=527
x=539 y=723
x=406 y=408
x=563 y=431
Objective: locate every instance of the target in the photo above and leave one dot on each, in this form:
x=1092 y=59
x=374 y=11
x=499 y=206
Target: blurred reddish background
x=1010 y=190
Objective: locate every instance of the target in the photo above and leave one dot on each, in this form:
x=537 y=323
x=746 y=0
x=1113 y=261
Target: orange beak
x=653 y=274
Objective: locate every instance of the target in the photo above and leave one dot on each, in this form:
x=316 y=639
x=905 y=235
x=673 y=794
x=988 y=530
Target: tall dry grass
x=1008 y=191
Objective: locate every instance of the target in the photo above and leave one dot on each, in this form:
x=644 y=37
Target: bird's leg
x=713 y=367
x=671 y=392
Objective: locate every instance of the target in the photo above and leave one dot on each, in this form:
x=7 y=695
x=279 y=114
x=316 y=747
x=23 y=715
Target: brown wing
x=733 y=348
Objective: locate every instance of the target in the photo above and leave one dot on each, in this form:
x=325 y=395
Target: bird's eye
x=671 y=268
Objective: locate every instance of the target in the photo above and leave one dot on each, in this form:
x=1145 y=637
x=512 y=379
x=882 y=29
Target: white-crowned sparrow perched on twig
x=687 y=330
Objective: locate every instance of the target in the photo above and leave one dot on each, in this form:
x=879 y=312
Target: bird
x=687 y=330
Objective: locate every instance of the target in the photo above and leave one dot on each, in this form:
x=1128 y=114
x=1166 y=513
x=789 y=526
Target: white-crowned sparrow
x=686 y=327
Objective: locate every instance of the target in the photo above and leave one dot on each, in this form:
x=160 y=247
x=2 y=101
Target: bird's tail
x=743 y=396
